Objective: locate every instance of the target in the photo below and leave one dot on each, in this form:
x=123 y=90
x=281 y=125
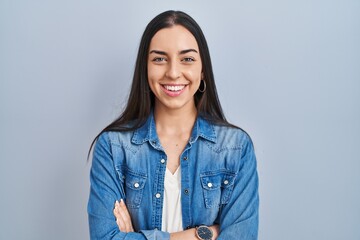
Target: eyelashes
x=162 y=59
x=159 y=59
x=188 y=59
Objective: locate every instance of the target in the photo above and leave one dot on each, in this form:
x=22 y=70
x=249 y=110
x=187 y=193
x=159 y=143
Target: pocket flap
x=215 y=180
x=135 y=181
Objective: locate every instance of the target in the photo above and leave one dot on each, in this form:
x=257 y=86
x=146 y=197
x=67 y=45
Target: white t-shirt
x=171 y=214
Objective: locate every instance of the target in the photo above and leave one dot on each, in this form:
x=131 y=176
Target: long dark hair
x=141 y=99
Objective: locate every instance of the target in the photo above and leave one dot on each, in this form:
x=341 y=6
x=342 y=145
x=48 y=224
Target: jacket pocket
x=134 y=183
x=217 y=187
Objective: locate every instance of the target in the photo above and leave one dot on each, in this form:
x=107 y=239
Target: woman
x=171 y=166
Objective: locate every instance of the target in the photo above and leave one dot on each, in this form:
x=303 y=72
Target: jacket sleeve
x=105 y=189
x=239 y=218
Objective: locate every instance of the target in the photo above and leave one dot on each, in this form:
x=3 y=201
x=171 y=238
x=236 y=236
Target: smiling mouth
x=174 y=88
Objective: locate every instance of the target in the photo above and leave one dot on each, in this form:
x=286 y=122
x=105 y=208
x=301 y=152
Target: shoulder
x=115 y=137
x=232 y=137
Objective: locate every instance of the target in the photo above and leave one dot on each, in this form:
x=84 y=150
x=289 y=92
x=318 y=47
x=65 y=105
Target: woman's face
x=174 y=68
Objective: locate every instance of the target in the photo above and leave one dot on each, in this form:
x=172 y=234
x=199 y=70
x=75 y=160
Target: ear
x=202 y=75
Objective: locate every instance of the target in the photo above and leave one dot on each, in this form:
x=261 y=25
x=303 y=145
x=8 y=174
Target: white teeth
x=174 y=88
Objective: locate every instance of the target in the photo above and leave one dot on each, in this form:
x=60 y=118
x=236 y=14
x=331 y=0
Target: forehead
x=175 y=38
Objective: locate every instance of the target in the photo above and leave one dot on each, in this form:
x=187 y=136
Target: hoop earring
x=204 y=89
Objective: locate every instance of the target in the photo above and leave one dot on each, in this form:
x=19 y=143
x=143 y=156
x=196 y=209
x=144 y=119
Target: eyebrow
x=181 y=52
x=187 y=50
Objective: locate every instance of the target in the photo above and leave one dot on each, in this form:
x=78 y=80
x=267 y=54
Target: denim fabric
x=219 y=182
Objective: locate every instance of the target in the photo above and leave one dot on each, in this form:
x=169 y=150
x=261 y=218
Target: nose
x=173 y=71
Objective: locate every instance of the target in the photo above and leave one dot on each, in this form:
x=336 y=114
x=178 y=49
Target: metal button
x=210 y=184
x=186 y=191
x=162 y=161
x=185 y=158
x=226 y=182
x=136 y=185
x=188 y=227
x=158 y=195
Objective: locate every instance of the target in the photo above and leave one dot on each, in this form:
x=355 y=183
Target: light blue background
x=287 y=71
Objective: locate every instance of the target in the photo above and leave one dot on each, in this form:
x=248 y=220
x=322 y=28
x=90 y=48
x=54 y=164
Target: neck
x=175 y=121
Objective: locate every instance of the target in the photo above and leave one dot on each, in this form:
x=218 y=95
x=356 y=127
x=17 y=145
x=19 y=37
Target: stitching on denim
x=220 y=195
x=218 y=149
x=137 y=193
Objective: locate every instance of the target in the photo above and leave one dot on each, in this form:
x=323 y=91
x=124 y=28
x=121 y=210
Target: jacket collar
x=147 y=132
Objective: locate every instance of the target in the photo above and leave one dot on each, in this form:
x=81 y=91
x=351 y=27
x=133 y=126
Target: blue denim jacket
x=219 y=182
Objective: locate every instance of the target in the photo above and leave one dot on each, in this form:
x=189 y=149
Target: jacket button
x=158 y=195
x=210 y=184
x=162 y=161
x=136 y=185
x=188 y=227
x=185 y=158
x=226 y=182
x=186 y=191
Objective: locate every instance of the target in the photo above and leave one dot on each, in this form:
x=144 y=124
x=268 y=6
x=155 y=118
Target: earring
x=204 y=89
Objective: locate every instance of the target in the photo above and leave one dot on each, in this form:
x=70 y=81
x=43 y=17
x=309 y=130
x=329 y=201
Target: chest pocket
x=133 y=184
x=217 y=187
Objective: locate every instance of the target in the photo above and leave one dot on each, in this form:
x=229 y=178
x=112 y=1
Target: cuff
x=156 y=235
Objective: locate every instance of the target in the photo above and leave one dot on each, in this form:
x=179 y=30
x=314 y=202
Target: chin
x=168 y=105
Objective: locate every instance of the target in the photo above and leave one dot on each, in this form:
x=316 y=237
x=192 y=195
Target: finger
x=125 y=220
x=126 y=212
x=119 y=220
x=120 y=223
x=123 y=206
x=116 y=212
x=126 y=216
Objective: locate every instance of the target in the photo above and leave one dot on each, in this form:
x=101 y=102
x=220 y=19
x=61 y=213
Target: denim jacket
x=219 y=182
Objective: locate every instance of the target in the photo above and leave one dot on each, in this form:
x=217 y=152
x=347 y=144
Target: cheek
x=151 y=77
x=193 y=74
x=154 y=74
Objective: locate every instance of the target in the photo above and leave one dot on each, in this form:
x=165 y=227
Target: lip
x=173 y=93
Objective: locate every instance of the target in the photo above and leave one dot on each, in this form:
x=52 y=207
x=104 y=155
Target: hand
x=123 y=219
